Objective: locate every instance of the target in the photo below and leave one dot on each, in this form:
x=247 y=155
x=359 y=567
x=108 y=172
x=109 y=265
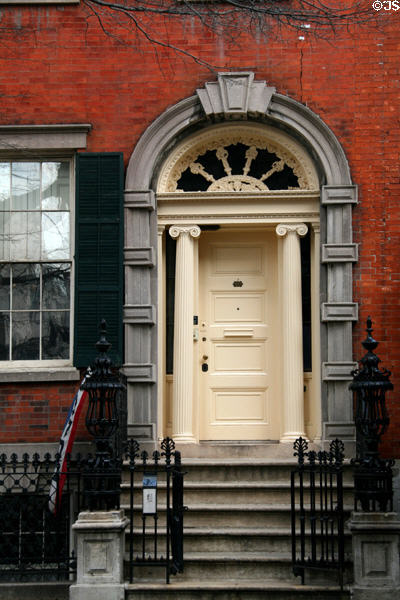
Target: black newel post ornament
x=372 y=474
x=103 y=473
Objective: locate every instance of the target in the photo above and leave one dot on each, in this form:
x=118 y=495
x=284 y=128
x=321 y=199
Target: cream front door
x=237 y=335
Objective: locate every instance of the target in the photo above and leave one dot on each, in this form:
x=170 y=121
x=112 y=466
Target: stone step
x=225 y=515
x=237 y=532
x=229 y=450
x=213 y=470
x=32 y=590
x=221 y=492
x=205 y=539
x=223 y=566
x=244 y=449
x=243 y=590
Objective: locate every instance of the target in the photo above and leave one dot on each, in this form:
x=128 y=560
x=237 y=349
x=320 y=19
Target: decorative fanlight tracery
x=256 y=175
x=239 y=158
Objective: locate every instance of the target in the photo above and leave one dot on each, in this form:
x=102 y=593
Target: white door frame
x=268 y=210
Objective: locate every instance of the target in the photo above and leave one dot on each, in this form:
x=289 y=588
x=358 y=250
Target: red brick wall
x=36 y=412
x=57 y=66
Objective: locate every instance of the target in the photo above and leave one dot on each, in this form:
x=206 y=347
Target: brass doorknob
x=205 y=356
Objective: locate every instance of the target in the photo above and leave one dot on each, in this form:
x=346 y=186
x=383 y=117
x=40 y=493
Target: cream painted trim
x=168 y=382
x=292 y=359
x=244 y=219
x=273 y=195
x=232 y=210
x=315 y=431
x=182 y=412
x=196 y=340
x=224 y=208
x=161 y=274
x=312 y=379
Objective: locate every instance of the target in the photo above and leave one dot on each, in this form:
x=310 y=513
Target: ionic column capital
x=285 y=228
x=176 y=230
x=160 y=229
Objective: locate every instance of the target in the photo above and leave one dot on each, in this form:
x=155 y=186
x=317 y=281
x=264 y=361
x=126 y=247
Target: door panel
x=239 y=357
x=237 y=307
x=232 y=405
x=232 y=259
x=237 y=322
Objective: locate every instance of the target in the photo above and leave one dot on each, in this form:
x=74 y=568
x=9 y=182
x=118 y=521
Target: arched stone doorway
x=168 y=155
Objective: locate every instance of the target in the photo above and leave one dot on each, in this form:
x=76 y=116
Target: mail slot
x=238 y=332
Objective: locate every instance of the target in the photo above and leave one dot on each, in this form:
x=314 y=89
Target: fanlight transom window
x=239 y=158
x=237 y=168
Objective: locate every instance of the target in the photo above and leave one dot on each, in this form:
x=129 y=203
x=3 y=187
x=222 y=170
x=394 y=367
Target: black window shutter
x=98 y=254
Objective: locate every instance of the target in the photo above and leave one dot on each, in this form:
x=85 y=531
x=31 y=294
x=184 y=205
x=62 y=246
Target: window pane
x=55 y=235
x=25 y=336
x=55 y=331
x=25 y=184
x=4 y=186
x=4 y=287
x=35 y=226
x=25 y=236
x=4 y=336
x=26 y=287
x=56 y=285
x=4 y=236
x=55 y=186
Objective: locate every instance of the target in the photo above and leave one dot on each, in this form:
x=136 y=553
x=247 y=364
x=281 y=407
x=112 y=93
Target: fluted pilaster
x=182 y=402
x=292 y=331
x=161 y=331
x=315 y=327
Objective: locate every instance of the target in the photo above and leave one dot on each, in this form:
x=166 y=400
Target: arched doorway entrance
x=227 y=195
x=231 y=196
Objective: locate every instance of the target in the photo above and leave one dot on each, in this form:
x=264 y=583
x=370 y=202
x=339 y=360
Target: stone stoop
x=237 y=536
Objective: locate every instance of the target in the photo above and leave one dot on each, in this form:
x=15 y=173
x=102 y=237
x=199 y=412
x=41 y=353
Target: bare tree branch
x=228 y=18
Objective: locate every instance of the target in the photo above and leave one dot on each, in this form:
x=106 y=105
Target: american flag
x=66 y=442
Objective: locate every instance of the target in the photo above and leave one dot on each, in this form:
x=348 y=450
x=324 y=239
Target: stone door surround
x=239 y=96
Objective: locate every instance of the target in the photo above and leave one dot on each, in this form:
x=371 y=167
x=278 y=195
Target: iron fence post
x=102 y=479
x=372 y=474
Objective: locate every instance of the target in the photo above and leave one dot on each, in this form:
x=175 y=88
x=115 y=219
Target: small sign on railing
x=149 y=493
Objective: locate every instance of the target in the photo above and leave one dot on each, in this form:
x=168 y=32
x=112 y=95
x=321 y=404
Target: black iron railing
x=156 y=508
x=35 y=541
x=317 y=514
x=40 y=500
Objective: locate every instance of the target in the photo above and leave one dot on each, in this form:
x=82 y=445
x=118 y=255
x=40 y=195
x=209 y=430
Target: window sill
x=41 y=448
x=46 y=374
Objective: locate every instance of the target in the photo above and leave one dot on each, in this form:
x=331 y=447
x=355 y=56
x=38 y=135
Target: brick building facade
x=68 y=89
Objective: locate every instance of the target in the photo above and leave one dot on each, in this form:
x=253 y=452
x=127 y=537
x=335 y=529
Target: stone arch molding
x=238 y=96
